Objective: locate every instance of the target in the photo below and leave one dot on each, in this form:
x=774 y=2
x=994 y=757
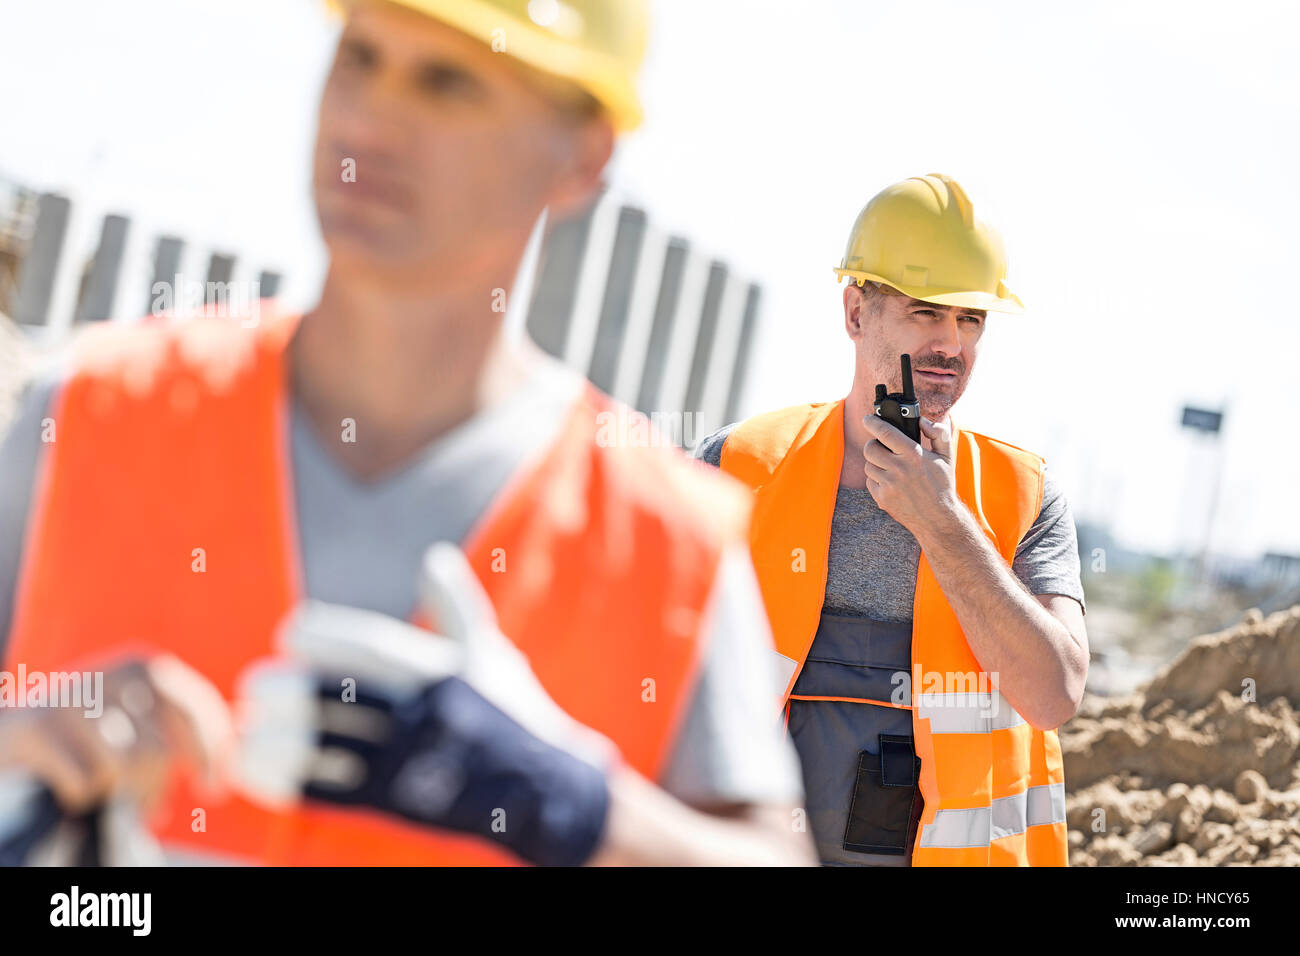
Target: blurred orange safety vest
x=994 y=786
x=599 y=562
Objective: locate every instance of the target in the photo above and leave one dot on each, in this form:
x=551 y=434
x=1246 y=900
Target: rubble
x=1198 y=766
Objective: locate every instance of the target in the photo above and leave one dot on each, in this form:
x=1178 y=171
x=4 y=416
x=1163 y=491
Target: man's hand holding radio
x=916 y=486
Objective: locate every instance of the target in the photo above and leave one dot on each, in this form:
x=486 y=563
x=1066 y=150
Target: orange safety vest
x=599 y=562
x=994 y=786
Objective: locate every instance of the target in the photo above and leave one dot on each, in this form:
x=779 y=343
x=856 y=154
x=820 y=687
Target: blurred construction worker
x=205 y=479
x=925 y=598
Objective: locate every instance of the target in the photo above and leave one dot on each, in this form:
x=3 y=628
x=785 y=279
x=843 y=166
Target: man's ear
x=591 y=146
x=855 y=311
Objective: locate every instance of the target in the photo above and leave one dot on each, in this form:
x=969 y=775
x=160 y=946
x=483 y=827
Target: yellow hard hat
x=921 y=237
x=596 y=44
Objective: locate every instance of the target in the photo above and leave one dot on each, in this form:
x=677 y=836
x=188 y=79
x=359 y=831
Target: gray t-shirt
x=361 y=545
x=871 y=574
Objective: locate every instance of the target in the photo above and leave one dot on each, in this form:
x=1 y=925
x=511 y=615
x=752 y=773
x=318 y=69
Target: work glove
x=449 y=730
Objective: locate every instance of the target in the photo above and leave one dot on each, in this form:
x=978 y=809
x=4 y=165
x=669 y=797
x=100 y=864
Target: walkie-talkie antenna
x=909 y=394
x=900 y=409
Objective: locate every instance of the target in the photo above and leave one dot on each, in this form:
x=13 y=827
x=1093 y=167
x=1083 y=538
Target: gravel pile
x=1198 y=767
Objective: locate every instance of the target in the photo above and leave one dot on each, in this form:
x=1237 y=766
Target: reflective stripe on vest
x=180 y=443
x=1007 y=816
x=967 y=713
x=784 y=670
x=993 y=784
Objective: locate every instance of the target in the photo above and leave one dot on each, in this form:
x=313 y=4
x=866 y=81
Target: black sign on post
x=1202 y=419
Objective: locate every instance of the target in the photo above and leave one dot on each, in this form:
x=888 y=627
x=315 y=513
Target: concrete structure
x=644 y=315
x=39 y=269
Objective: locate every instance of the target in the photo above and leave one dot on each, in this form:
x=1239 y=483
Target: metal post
x=101 y=285
x=618 y=293
x=744 y=350
x=661 y=329
x=166 y=269
x=551 y=310
x=40 y=266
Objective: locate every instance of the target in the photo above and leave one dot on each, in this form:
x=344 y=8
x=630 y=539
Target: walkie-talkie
x=900 y=409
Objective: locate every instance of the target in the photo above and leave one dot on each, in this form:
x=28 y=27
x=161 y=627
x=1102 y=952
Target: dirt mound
x=1199 y=765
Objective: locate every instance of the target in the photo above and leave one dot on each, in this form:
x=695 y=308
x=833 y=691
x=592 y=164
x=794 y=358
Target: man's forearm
x=1030 y=654
x=647 y=826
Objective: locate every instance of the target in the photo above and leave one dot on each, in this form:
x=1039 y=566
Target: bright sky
x=1138 y=158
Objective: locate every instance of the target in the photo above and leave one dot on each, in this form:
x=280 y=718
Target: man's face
x=943 y=342
x=435 y=154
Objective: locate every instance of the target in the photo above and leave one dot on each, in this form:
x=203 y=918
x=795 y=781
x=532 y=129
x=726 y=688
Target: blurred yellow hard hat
x=596 y=44
x=921 y=237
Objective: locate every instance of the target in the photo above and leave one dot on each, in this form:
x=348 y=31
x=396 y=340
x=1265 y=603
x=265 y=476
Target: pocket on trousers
x=884 y=794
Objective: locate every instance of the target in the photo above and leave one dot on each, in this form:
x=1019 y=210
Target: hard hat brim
x=961 y=298
x=594 y=72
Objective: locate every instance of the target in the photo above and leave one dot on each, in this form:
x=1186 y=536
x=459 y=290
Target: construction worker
x=925 y=598
x=202 y=483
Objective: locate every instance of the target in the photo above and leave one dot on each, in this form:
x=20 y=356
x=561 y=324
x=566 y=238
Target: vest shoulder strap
x=1012 y=485
x=619 y=545
x=756 y=446
x=140 y=360
x=694 y=499
x=1005 y=447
